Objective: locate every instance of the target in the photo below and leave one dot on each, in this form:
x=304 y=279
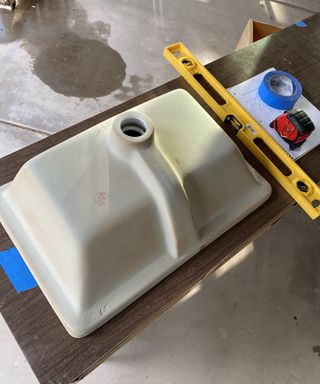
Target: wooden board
x=56 y=357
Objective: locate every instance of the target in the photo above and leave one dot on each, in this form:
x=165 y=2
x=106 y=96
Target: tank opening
x=133 y=127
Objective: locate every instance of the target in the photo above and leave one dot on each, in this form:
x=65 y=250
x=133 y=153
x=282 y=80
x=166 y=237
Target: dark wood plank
x=57 y=358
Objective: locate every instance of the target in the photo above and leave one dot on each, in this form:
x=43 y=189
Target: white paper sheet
x=247 y=95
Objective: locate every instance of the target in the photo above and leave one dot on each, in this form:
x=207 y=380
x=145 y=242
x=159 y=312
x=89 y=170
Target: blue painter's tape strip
x=301 y=24
x=273 y=98
x=16 y=270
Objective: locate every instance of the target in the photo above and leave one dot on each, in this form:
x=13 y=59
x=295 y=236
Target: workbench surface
x=56 y=357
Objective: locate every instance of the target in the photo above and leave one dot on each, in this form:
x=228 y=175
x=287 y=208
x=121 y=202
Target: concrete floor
x=256 y=319
x=67 y=60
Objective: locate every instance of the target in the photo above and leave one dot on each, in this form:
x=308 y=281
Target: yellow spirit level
x=294 y=180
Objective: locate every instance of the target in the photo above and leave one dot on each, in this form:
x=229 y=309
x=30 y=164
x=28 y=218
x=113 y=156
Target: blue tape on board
x=16 y=270
x=301 y=24
x=280 y=90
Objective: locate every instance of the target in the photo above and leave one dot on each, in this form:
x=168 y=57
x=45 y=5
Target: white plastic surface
x=104 y=216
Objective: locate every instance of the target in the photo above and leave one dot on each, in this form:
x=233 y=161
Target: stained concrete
x=80 y=65
x=67 y=60
x=256 y=320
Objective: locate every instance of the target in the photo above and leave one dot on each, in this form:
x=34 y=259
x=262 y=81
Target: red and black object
x=294 y=126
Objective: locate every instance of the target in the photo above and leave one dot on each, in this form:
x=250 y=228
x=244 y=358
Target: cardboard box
x=254 y=31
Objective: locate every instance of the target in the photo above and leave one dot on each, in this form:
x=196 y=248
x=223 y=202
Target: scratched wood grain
x=56 y=357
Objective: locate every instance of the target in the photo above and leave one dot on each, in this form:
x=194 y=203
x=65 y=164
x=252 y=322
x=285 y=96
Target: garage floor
x=256 y=320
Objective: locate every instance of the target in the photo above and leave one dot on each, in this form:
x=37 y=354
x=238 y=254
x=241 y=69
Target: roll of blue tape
x=280 y=90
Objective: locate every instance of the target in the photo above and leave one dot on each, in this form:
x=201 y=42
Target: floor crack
x=21 y=126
